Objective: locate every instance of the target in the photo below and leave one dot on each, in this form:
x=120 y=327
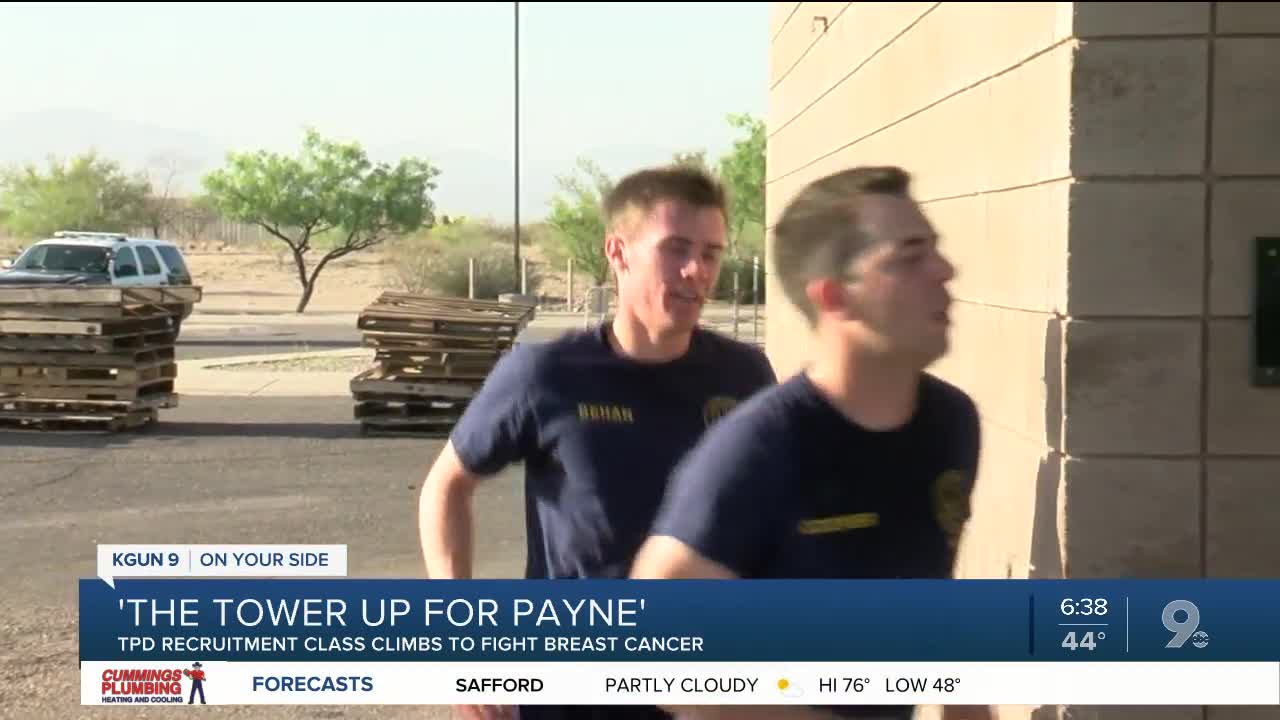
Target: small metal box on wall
x=1265 y=330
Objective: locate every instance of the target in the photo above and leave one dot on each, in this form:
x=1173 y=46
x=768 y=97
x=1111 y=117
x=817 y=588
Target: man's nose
x=695 y=266
x=943 y=268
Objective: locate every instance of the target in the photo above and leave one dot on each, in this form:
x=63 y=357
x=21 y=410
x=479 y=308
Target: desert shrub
x=446 y=272
x=412 y=259
x=438 y=265
x=470 y=232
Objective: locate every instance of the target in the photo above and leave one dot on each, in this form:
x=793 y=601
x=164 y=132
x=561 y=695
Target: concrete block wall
x=1097 y=172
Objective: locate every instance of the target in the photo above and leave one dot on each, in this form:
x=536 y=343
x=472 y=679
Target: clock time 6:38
x=1085 y=607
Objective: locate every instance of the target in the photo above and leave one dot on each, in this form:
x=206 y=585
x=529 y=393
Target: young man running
x=601 y=417
x=861 y=466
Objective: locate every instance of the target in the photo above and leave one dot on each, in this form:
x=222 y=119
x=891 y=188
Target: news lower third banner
x=157 y=629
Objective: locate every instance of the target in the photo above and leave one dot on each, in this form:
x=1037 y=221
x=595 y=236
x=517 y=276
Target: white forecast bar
x=648 y=683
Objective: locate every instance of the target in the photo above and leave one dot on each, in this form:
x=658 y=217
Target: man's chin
x=684 y=312
x=936 y=350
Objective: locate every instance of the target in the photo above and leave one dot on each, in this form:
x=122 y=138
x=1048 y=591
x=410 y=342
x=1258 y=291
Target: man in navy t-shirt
x=862 y=466
x=600 y=417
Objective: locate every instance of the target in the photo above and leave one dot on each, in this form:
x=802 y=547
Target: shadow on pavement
x=304 y=430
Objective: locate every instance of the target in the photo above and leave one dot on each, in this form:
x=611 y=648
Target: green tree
x=742 y=170
x=577 y=219
x=694 y=159
x=331 y=190
x=86 y=192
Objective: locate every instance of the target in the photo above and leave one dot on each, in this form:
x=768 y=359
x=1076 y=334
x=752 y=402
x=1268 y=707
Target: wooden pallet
x=21 y=404
x=378 y=382
x=88 y=358
x=77 y=423
x=411 y=412
x=31 y=374
x=117 y=393
x=85 y=295
x=48 y=415
x=123 y=359
x=404 y=417
x=433 y=354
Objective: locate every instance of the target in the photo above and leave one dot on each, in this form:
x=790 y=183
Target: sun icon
x=788 y=689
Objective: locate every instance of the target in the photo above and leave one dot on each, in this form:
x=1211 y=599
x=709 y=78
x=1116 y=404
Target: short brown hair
x=820 y=233
x=643 y=189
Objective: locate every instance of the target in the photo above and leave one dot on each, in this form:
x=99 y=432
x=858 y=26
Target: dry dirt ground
x=264 y=279
x=258 y=281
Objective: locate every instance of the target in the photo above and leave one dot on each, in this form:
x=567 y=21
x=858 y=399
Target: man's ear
x=829 y=295
x=614 y=251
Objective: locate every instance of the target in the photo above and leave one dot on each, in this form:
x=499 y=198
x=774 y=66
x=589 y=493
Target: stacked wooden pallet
x=433 y=354
x=87 y=358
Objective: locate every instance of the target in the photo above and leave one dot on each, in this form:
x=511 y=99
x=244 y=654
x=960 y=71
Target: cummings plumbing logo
x=153 y=686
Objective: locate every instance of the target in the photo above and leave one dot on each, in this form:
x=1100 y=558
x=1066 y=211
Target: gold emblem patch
x=951 y=504
x=717 y=407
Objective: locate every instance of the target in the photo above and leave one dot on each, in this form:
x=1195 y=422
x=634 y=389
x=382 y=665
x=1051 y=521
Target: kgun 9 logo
x=1187 y=628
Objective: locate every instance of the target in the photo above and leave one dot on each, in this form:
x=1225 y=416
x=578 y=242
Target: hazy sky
x=622 y=83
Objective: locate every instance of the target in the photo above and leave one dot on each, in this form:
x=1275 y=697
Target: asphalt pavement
x=214 y=470
x=209 y=337
x=263 y=337
x=218 y=470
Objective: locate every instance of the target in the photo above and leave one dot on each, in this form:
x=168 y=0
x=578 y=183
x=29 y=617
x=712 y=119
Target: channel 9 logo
x=1182 y=618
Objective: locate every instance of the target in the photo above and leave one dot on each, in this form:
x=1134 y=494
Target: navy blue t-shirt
x=788 y=487
x=599 y=434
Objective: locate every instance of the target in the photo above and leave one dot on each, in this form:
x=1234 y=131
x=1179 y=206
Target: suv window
x=126 y=263
x=150 y=266
x=64 y=258
x=173 y=259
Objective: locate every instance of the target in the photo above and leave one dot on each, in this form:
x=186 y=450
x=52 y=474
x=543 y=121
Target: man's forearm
x=445 y=529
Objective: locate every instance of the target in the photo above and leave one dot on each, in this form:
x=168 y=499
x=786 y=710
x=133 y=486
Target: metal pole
x=516 y=267
x=735 y=304
x=755 y=298
x=471 y=278
x=524 y=276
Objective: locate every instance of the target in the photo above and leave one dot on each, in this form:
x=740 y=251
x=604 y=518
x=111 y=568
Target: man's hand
x=484 y=712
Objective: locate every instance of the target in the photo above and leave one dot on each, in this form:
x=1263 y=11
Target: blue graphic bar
x=361 y=620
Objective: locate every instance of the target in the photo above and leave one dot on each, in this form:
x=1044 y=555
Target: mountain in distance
x=33 y=137
x=474 y=182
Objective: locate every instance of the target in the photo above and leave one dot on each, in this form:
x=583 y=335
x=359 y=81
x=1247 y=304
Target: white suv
x=94 y=258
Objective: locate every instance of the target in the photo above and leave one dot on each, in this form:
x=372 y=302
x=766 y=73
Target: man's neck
x=631 y=338
x=878 y=394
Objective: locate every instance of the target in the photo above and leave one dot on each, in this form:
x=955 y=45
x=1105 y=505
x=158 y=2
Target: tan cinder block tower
x=1098 y=173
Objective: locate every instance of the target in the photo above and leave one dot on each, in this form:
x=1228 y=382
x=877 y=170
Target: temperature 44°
x=1083 y=640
